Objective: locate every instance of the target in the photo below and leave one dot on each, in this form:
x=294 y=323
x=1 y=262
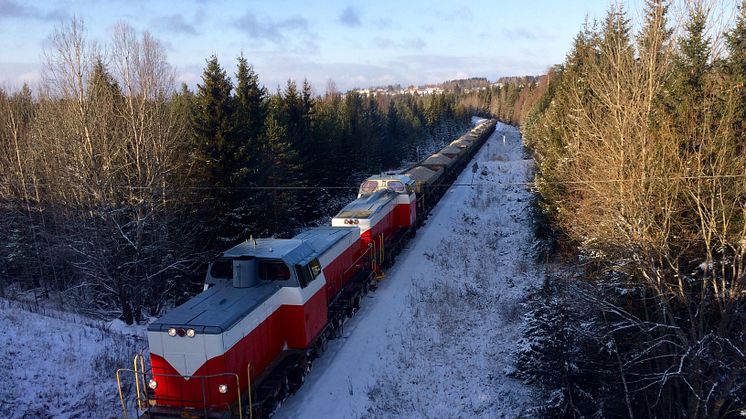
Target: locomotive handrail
x=362 y=255
x=121 y=396
x=139 y=372
x=248 y=384
x=136 y=372
x=207 y=377
x=140 y=403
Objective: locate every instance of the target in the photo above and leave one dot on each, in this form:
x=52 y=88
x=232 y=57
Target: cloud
x=385 y=23
x=411 y=43
x=462 y=13
x=520 y=34
x=11 y=9
x=349 y=17
x=175 y=24
x=275 y=31
x=13 y=75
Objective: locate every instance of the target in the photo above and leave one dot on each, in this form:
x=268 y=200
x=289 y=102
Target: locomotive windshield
x=222 y=269
x=368 y=187
x=273 y=270
x=396 y=186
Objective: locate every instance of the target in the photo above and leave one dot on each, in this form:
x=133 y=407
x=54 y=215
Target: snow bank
x=436 y=339
x=60 y=365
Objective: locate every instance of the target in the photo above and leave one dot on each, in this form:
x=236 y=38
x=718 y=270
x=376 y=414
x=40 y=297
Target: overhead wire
x=524 y=183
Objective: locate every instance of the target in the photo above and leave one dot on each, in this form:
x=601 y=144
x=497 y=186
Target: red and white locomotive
x=270 y=305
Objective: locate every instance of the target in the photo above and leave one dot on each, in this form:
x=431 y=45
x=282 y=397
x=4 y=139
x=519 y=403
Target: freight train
x=270 y=306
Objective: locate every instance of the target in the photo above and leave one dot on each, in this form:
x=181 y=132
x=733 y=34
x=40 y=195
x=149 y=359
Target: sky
x=358 y=44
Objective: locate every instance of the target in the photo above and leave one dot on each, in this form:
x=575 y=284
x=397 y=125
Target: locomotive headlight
x=190 y=333
x=152 y=384
x=223 y=388
x=171 y=331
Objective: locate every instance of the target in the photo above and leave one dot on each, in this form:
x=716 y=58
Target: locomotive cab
x=400 y=184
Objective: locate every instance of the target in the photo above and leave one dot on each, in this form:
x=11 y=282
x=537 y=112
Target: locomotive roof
x=216 y=309
x=290 y=251
x=386 y=176
x=223 y=305
x=366 y=205
x=322 y=238
x=300 y=249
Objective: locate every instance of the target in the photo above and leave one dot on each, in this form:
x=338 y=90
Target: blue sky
x=355 y=43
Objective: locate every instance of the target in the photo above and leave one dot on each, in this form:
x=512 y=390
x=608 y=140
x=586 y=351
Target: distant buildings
x=461 y=86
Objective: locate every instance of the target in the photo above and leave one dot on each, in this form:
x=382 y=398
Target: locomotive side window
x=307 y=273
x=315 y=267
x=369 y=186
x=222 y=268
x=304 y=275
x=272 y=270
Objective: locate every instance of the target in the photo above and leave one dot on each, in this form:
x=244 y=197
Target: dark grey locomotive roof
x=322 y=238
x=290 y=251
x=216 y=309
x=364 y=206
x=221 y=306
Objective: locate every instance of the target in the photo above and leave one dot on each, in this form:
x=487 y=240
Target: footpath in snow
x=437 y=337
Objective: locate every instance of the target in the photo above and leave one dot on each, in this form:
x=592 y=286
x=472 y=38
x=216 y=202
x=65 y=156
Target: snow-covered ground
x=437 y=337
x=59 y=365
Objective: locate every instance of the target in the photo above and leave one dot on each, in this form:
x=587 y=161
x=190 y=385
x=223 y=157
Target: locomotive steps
x=437 y=337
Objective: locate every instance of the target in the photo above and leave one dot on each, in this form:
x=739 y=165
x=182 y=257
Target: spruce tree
x=215 y=149
x=250 y=207
x=212 y=124
x=283 y=170
x=250 y=115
